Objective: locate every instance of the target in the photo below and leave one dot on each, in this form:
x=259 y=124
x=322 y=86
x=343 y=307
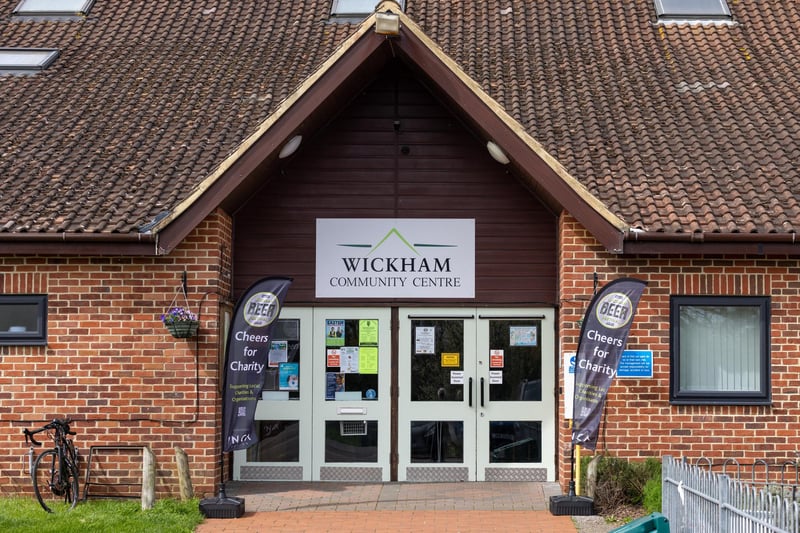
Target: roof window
x=26 y=60
x=693 y=10
x=356 y=9
x=53 y=8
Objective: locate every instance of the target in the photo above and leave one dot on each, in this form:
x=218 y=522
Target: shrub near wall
x=112 y=366
x=639 y=421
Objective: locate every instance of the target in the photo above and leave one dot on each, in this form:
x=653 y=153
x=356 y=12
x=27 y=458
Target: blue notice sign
x=636 y=364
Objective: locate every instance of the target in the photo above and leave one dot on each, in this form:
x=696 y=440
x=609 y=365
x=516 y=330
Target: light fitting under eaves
x=290 y=147
x=387 y=23
x=497 y=153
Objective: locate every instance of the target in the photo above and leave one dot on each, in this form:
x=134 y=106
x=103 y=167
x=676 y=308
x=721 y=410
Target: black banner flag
x=246 y=358
x=603 y=336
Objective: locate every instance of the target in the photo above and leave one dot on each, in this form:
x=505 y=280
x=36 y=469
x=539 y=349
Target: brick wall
x=639 y=420
x=112 y=366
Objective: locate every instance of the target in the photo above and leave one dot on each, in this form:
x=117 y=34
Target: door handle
x=470 y=392
x=481 y=392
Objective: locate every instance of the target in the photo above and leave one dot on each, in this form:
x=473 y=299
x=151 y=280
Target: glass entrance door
x=436 y=416
x=283 y=415
x=476 y=395
x=516 y=409
x=352 y=394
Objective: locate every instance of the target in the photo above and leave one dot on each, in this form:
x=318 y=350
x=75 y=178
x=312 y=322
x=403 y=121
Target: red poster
x=333 y=358
x=496 y=359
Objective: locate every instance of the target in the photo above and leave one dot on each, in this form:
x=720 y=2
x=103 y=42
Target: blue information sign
x=636 y=364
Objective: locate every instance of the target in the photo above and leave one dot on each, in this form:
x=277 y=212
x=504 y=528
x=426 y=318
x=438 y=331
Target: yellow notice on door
x=369 y=359
x=451 y=359
x=367 y=332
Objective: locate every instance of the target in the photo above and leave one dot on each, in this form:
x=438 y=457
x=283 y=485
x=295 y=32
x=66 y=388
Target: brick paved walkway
x=386 y=507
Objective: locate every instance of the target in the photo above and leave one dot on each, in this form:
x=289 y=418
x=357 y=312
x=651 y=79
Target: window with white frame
x=719 y=350
x=26 y=60
x=356 y=8
x=692 y=9
x=61 y=8
x=23 y=319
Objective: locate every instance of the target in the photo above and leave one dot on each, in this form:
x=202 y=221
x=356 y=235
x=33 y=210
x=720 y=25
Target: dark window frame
x=761 y=397
x=38 y=337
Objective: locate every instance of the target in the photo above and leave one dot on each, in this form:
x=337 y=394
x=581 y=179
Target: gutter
x=699 y=237
x=127 y=244
x=80 y=237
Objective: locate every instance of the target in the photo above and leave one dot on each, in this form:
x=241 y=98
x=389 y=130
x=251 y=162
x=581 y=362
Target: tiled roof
x=674 y=128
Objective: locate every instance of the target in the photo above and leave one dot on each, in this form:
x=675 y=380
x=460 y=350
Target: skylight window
x=53 y=8
x=26 y=60
x=356 y=8
x=693 y=9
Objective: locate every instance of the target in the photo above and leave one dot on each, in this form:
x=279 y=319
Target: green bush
x=652 y=496
x=623 y=483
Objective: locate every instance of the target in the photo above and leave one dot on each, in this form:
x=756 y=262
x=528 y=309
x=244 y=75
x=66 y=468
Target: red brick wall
x=639 y=420
x=112 y=366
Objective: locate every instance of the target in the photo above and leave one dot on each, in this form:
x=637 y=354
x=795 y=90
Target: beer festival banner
x=603 y=336
x=246 y=357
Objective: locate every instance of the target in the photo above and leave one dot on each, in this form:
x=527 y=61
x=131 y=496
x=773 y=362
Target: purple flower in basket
x=178 y=314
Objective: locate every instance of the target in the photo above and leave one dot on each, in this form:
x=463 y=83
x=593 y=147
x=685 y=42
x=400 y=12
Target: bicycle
x=55 y=472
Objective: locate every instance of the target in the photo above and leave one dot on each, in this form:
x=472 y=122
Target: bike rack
x=114 y=448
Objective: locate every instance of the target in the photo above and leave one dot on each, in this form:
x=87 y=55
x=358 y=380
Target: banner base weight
x=571 y=505
x=222 y=506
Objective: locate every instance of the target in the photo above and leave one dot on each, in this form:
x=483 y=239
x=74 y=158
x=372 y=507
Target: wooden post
x=184 y=479
x=148 y=478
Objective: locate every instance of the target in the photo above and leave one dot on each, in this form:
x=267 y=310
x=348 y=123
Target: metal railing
x=696 y=499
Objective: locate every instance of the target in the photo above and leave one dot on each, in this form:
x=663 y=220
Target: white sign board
x=569 y=383
x=395 y=258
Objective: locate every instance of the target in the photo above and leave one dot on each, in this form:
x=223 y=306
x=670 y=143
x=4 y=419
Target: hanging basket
x=180 y=321
x=183 y=329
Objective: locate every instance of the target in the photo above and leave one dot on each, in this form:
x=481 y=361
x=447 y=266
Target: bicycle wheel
x=55 y=491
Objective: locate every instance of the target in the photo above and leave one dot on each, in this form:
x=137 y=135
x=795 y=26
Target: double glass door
x=476 y=395
x=474 y=399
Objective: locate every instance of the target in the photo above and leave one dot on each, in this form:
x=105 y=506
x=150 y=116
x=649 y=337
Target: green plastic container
x=654 y=522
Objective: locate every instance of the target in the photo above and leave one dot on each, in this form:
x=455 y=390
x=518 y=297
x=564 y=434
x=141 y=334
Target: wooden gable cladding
x=396 y=152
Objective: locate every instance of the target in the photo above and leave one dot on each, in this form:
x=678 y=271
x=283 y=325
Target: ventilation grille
x=349 y=428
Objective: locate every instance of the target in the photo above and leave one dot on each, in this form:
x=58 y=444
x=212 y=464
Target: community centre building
x=447 y=184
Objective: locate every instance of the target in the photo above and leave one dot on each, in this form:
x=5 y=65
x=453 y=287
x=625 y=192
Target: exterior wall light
x=387 y=23
x=497 y=153
x=290 y=147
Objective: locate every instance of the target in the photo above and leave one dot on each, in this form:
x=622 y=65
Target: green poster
x=367 y=332
x=368 y=359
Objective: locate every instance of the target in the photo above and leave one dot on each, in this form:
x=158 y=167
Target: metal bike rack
x=89 y=482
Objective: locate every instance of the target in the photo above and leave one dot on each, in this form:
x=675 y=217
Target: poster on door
x=334 y=357
x=523 y=336
x=496 y=358
x=278 y=353
x=424 y=340
x=289 y=376
x=334 y=332
x=349 y=363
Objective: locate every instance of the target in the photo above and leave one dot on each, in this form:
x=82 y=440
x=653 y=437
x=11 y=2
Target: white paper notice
x=349 y=360
x=424 y=339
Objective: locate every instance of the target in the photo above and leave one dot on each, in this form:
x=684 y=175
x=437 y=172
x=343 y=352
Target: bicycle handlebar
x=58 y=423
x=29 y=437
